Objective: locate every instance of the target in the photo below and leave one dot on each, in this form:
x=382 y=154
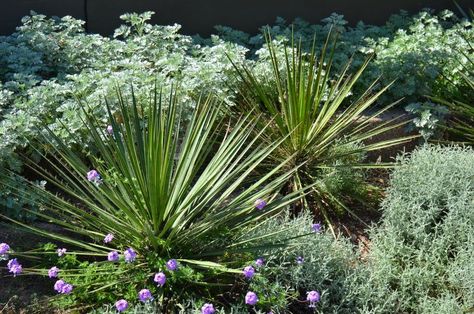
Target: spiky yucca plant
x=308 y=112
x=460 y=126
x=164 y=195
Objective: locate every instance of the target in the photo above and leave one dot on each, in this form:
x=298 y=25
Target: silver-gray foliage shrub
x=329 y=266
x=422 y=256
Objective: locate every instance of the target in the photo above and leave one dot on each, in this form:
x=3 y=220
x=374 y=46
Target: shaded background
x=200 y=16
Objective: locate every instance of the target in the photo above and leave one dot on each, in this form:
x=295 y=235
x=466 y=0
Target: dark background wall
x=200 y=16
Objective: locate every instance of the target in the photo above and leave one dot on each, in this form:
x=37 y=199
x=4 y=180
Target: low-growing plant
x=149 y=199
x=420 y=258
x=187 y=307
x=428 y=118
x=48 y=63
x=13 y=204
x=318 y=262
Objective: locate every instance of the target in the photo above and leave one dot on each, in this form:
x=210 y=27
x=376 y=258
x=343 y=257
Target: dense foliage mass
x=49 y=63
x=159 y=211
x=183 y=173
x=421 y=257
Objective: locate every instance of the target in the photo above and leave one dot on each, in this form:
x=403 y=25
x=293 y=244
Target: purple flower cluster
x=145 y=295
x=172 y=265
x=251 y=298
x=130 y=255
x=299 y=260
x=260 y=204
x=160 y=279
x=113 y=256
x=61 y=252
x=259 y=262
x=94 y=177
x=208 y=308
x=108 y=238
x=4 y=248
x=316 y=228
x=312 y=297
x=14 y=267
x=121 y=305
x=63 y=287
x=53 y=272
x=248 y=272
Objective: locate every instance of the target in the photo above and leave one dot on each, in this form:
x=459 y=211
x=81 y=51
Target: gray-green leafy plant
x=421 y=51
x=428 y=118
x=421 y=256
x=330 y=266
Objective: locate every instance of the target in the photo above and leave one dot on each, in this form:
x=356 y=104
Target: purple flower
x=208 y=308
x=94 y=176
x=145 y=295
x=160 y=279
x=260 y=204
x=260 y=262
x=248 y=272
x=66 y=288
x=108 y=238
x=110 y=130
x=4 y=248
x=58 y=285
x=313 y=297
x=14 y=267
x=129 y=255
x=316 y=227
x=121 y=305
x=63 y=287
x=53 y=272
x=12 y=262
x=251 y=298
x=172 y=265
x=61 y=252
x=299 y=260
x=113 y=256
